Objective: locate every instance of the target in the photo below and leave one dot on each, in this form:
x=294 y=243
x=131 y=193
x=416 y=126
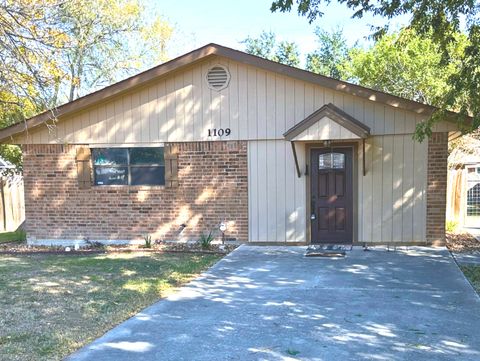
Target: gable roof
x=200 y=54
x=334 y=113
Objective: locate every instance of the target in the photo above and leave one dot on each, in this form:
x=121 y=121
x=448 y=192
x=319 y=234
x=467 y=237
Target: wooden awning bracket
x=363 y=157
x=297 y=167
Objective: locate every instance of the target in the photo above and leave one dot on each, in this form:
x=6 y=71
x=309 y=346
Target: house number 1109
x=220 y=132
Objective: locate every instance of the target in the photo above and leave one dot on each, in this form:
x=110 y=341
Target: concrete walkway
x=468 y=259
x=271 y=303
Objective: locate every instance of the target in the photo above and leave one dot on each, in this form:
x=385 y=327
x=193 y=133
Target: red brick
x=437 y=187
x=55 y=207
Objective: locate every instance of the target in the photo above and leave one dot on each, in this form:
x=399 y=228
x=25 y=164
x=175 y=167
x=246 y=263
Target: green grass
x=16 y=236
x=473 y=275
x=51 y=305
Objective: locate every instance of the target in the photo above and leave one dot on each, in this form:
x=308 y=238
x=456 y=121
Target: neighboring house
x=5 y=167
x=463 y=191
x=277 y=153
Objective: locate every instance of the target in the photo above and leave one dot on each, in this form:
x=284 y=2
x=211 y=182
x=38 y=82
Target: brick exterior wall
x=212 y=186
x=437 y=187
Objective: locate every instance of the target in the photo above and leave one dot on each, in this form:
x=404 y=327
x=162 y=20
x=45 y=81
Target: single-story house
x=276 y=153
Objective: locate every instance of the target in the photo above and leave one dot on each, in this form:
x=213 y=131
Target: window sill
x=128 y=187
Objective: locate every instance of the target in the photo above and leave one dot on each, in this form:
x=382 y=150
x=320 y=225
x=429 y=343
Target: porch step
x=328 y=250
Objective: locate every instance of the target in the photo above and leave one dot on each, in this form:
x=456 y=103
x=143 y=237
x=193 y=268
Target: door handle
x=313 y=216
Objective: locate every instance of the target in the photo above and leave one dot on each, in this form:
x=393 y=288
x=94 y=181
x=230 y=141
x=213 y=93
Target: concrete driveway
x=271 y=303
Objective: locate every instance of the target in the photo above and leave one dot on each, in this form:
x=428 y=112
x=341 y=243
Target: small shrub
x=94 y=244
x=206 y=240
x=148 y=241
x=451 y=226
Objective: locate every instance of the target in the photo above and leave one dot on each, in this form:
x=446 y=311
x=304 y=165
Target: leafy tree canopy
x=53 y=51
x=332 y=52
x=439 y=19
x=267 y=47
x=108 y=40
x=404 y=64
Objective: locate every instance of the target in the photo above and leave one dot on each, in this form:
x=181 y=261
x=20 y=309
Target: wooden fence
x=12 y=207
x=455 y=195
x=463 y=196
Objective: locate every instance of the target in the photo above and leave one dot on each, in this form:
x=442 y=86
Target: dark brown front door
x=332 y=195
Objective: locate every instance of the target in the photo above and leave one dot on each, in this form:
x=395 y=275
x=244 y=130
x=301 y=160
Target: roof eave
x=110 y=91
x=199 y=55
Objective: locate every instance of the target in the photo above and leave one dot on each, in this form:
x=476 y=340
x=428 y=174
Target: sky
x=226 y=22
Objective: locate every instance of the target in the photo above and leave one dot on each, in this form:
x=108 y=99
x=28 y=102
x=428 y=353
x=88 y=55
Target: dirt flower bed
x=195 y=246
x=17 y=247
x=462 y=242
x=157 y=247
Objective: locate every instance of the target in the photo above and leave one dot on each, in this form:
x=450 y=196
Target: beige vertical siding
x=276 y=196
x=325 y=129
x=391 y=204
x=257 y=104
x=391 y=196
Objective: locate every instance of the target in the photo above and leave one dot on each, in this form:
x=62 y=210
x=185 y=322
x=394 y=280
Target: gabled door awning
x=327 y=123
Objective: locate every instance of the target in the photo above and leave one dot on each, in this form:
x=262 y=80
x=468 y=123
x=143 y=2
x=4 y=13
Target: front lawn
x=51 y=305
x=16 y=236
x=473 y=275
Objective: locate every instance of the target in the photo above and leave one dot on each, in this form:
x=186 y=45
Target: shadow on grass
x=50 y=305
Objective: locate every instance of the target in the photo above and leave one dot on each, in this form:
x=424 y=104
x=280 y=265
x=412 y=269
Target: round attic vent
x=218 y=77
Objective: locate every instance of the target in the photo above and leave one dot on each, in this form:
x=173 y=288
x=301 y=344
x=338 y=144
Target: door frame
x=335 y=144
